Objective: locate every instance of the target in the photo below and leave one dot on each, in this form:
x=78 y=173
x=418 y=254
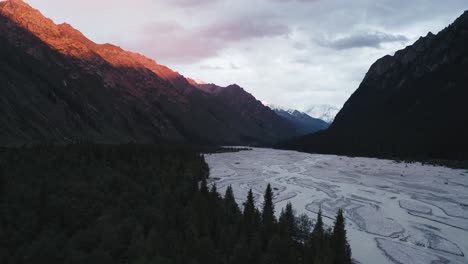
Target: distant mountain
x=302 y=122
x=57 y=85
x=412 y=104
x=324 y=112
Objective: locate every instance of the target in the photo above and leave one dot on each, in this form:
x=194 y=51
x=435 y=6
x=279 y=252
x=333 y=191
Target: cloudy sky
x=294 y=53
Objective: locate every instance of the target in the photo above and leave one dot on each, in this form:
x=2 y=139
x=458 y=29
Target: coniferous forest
x=122 y=175
x=143 y=204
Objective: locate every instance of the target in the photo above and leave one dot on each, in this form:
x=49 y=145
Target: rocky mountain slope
x=57 y=85
x=411 y=104
x=302 y=122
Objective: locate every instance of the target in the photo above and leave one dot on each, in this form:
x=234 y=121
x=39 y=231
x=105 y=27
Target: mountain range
x=56 y=85
x=303 y=123
x=323 y=112
x=411 y=104
x=59 y=86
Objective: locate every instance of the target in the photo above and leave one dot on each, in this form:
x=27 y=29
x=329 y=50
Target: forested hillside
x=143 y=204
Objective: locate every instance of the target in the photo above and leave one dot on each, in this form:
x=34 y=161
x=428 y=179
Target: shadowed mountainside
x=57 y=85
x=302 y=122
x=412 y=104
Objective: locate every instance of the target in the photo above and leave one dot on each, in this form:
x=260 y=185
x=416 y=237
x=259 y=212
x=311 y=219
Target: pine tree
x=204 y=186
x=339 y=241
x=318 y=228
x=249 y=205
x=2 y=184
x=194 y=186
x=240 y=253
x=268 y=217
x=317 y=248
x=255 y=248
x=214 y=192
x=268 y=211
x=287 y=222
x=304 y=228
x=250 y=219
x=230 y=205
x=278 y=251
x=214 y=213
x=42 y=208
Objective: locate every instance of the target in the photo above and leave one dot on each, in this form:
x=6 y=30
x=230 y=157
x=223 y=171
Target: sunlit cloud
x=294 y=53
x=171 y=41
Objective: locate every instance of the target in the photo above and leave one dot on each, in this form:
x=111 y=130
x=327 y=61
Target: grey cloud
x=233 y=66
x=361 y=40
x=304 y=61
x=305 y=1
x=191 y=3
x=243 y=29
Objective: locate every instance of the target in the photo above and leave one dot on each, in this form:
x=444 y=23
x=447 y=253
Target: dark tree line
x=144 y=204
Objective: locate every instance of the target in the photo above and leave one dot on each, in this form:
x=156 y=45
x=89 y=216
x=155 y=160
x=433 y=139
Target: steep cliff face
x=409 y=104
x=57 y=85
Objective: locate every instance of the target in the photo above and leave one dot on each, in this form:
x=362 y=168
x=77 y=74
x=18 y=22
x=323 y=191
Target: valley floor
x=395 y=212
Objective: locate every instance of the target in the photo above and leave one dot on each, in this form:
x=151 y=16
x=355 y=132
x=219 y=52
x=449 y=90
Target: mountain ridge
x=323 y=111
x=411 y=104
x=60 y=86
x=302 y=122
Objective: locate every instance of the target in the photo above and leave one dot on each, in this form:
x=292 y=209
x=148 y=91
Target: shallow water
x=395 y=212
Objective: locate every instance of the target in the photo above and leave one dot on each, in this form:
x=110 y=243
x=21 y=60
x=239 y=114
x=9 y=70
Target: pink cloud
x=170 y=40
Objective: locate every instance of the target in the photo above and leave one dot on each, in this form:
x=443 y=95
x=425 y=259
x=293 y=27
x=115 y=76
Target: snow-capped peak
x=324 y=112
x=280 y=108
